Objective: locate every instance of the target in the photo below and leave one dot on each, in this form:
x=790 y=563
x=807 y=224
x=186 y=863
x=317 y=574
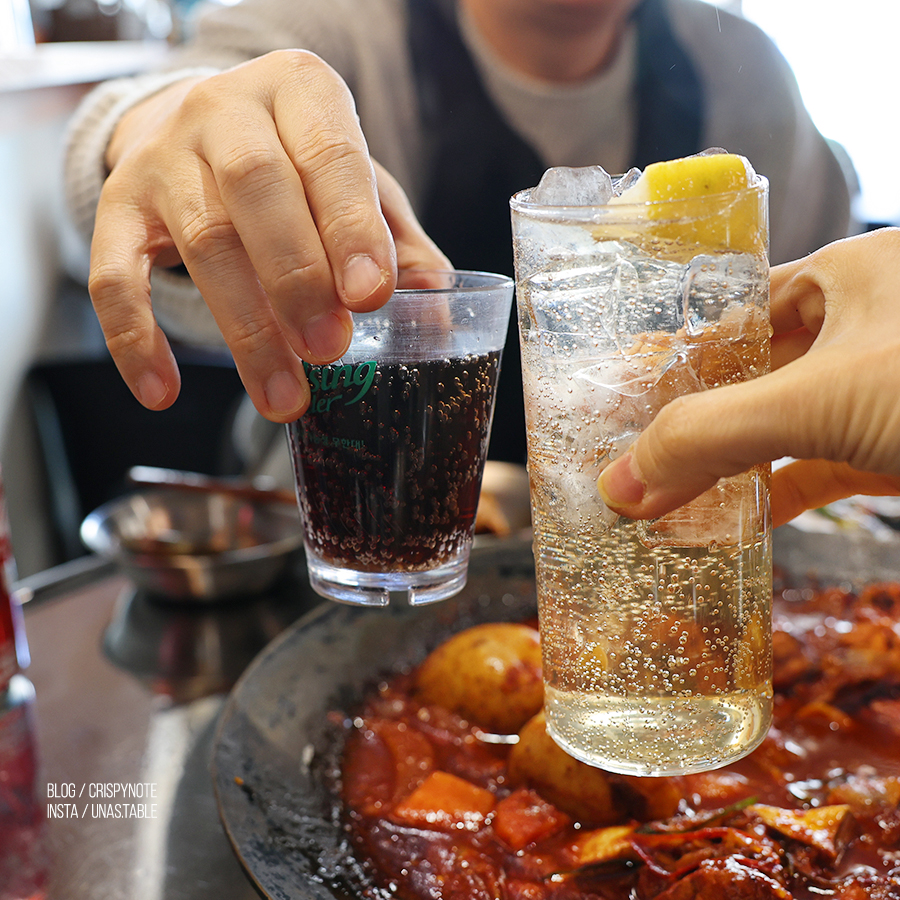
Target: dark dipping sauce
x=813 y=812
x=390 y=472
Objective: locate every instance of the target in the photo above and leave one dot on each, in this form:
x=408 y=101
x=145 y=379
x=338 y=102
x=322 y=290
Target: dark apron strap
x=670 y=95
x=476 y=162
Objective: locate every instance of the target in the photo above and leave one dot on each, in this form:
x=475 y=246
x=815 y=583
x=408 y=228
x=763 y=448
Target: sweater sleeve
x=89 y=133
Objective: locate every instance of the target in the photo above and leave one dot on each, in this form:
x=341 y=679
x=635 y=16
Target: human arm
x=831 y=401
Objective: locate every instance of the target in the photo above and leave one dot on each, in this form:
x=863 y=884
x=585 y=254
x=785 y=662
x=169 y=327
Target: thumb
x=697 y=439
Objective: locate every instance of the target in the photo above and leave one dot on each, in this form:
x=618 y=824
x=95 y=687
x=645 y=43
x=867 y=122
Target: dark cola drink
x=389 y=460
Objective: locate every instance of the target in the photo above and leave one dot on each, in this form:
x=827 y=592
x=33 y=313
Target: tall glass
x=389 y=457
x=656 y=634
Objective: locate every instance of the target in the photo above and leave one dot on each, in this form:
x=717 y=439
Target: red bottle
x=23 y=848
x=23 y=861
x=13 y=651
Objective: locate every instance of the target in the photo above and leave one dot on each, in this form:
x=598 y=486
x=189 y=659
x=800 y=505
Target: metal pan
x=275 y=747
x=275 y=751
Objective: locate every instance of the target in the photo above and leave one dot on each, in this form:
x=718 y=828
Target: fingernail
x=619 y=484
x=284 y=393
x=327 y=336
x=362 y=277
x=151 y=390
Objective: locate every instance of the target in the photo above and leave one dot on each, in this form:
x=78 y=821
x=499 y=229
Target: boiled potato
x=489 y=674
x=651 y=798
x=590 y=795
x=580 y=790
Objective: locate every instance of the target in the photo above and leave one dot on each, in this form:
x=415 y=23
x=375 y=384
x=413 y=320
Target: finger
x=222 y=271
x=796 y=299
x=849 y=273
x=812 y=483
x=264 y=200
x=119 y=286
x=698 y=439
x=323 y=139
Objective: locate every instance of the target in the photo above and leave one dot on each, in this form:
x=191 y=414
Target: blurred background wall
x=844 y=58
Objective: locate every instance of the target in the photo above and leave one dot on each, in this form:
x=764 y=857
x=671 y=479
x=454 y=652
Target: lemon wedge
x=691 y=176
x=701 y=204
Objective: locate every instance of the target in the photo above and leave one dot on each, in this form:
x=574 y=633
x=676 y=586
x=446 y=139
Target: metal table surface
x=127 y=690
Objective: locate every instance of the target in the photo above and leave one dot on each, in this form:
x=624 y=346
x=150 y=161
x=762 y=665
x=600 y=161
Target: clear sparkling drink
x=656 y=635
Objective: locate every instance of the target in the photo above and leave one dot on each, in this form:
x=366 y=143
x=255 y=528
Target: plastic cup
x=389 y=457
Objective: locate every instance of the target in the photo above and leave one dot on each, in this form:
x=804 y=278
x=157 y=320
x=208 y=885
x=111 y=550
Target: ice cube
x=726 y=515
x=629 y=179
x=569 y=492
x=565 y=186
x=712 y=285
x=711 y=151
x=634 y=374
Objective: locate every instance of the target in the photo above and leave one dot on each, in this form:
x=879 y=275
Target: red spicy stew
x=452 y=788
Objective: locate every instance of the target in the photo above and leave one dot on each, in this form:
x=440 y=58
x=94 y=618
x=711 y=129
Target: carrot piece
x=525 y=817
x=445 y=801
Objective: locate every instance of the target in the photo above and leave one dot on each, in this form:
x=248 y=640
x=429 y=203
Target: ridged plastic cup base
x=375 y=588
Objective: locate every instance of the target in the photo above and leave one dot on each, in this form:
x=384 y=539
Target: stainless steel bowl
x=195 y=545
